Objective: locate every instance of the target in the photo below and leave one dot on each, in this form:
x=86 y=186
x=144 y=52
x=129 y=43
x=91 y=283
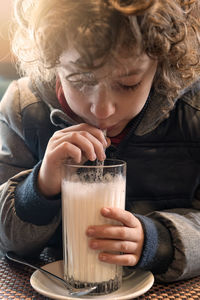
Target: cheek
x=137 y=101
x=73 y=98
x=77 y=102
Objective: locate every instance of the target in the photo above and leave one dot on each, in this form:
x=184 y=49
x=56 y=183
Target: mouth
x=108 y=128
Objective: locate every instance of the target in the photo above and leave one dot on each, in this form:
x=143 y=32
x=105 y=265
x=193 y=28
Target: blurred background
x=7 y=66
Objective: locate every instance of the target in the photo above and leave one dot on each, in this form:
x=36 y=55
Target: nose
x=102 y=105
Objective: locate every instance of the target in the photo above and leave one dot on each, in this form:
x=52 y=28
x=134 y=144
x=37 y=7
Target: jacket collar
x=159 y=107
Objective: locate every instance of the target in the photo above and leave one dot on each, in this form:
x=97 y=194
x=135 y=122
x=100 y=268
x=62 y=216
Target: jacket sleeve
x=19 y=198
x=184 y=227
x=181 y=233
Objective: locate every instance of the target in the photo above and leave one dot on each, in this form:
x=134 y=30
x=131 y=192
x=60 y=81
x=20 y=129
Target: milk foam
x=81 y=207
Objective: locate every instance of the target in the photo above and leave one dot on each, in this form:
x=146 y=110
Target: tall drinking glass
x=85 y=190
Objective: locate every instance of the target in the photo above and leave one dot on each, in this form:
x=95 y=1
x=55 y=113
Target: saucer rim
x=148 y=284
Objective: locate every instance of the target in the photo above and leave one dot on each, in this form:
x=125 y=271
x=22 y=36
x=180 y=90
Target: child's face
x=107 y=98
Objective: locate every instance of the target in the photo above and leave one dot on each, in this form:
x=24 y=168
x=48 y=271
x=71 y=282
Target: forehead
x=117 y=66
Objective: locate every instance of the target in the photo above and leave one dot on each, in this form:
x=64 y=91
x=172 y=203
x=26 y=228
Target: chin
x=112 y=133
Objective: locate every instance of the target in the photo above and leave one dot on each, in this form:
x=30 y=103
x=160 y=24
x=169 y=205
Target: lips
x=108 y=128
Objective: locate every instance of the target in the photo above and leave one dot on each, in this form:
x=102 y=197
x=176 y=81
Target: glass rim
x=119 y=163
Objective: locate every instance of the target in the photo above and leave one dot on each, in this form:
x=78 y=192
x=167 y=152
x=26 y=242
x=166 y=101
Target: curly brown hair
x=165 y=30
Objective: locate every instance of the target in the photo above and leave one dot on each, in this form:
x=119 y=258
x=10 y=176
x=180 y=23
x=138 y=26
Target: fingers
x=113 y=239
x=111 y=249
x=95 y=132
x=91 y=143
x=116 y=246
x=120 y=215
x=112 y=232
x=80 y=142
x=84 y=141
x=118 y=259
x=130 y=230
x=63 y=151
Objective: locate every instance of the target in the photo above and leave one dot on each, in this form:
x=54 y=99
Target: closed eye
x=129 y=87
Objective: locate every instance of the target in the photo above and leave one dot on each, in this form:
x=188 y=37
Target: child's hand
x=128 y=238
x=79 y=142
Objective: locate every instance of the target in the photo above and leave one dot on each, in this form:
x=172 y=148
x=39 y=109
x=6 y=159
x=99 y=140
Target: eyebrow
x=119 y=74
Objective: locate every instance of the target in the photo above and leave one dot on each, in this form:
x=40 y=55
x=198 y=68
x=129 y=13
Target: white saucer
x=137 y=284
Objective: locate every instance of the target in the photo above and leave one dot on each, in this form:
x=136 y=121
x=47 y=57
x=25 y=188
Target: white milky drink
x=82 y=200
x=81 y=209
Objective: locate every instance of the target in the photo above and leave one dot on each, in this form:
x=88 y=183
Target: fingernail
x=108 y=142
x=105 y=143
x=102 y=257
x=93 y=157
x=103 y=156
x=93 y=245
x=106 y=211
x=90 y=232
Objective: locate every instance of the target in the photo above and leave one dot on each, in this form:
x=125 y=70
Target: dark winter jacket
x=162 y=151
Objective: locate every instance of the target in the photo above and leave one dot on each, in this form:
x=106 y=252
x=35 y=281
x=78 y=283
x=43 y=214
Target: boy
x=130 y=68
